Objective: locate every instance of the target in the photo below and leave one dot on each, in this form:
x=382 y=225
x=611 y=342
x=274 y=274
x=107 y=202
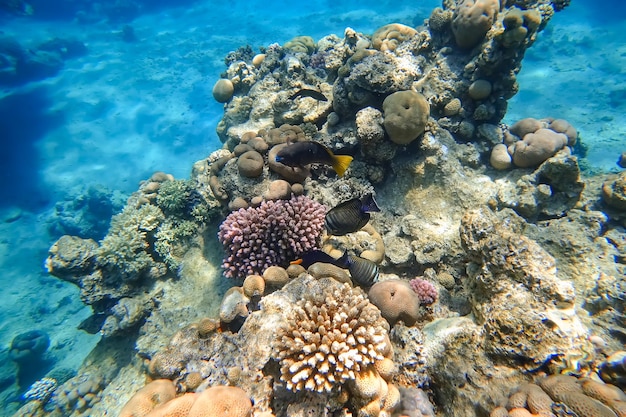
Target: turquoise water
x=79 y=135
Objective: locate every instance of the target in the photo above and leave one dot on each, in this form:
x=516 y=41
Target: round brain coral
x=396 y=300
x=222 y=401
x=472 y=20
x=274 y=233
x=332 y=335
x=405 y=116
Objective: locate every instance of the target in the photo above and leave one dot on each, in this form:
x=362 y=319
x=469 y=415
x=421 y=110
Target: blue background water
x=74 y=144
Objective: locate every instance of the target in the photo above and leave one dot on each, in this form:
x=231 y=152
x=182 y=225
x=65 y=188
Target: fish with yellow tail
x=310 y=152
x=350 y=215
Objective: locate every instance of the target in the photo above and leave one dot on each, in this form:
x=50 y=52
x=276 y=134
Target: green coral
x=126 y=248
x=302 y=44
x=172 y=241
x=173 y=196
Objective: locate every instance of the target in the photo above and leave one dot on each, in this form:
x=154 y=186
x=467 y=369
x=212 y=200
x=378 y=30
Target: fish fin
x=369 y=204
x=296 y=262
x=341 y=163
x=344 y=260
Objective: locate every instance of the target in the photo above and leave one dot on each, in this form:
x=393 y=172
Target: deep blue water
x=109 y=116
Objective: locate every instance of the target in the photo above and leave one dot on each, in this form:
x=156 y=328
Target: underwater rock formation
x=145 y=243
x=524 y=257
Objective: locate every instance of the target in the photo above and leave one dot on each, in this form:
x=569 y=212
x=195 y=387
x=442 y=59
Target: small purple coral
x=425 y=290
x=274 y=233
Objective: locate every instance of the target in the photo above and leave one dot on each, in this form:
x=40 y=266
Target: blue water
x=108 y=118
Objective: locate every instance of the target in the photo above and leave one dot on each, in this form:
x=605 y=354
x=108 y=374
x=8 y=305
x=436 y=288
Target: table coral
x=274 y=233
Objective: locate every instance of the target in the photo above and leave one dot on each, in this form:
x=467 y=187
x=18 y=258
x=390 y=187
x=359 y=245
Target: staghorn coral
x=331 y=336
x=273 y=233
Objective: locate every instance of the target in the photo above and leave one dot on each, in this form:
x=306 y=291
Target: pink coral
x=425 y=290
x=274 y=233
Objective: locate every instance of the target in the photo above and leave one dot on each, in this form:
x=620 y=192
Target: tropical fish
x=350 y=215
x=309 y=258
x=363 y=271
x=307 y=92
x=310 y=152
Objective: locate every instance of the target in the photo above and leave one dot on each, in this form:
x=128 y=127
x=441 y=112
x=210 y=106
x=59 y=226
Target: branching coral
x=332 y=335
x=274 y=233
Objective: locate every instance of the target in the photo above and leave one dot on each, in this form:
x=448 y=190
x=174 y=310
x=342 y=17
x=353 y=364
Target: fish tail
x=369 y=204
x=341 y=163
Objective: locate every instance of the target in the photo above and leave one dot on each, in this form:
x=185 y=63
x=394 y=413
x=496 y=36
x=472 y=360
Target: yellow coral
x=388 y=37
x=222 y=401
x=147 y=398
x=178 y=407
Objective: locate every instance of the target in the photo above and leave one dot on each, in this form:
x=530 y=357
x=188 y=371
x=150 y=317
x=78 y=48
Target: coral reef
x=86 y=215
x=493 y=261
x=274 y=233
x=405 y=114
x=564 y=393
x=330 y=338
x=145 y=243
x=396 y=300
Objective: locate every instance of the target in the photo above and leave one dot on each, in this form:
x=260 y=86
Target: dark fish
x=350 y=215
x=307 y=92
x=363 y=271
x=309 y=258
x=310 y=152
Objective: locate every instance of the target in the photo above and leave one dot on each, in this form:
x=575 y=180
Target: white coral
x=330 y=337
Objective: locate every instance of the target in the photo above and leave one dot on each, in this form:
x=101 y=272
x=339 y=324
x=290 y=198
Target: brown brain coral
x=332 y=335
x=472 y=20
x=157 y=392
x=405 y=116
x=222 y=401
x=388 y=37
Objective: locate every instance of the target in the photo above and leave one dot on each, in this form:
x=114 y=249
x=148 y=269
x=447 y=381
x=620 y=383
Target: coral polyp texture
x=331 y=337
x=274 y=233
